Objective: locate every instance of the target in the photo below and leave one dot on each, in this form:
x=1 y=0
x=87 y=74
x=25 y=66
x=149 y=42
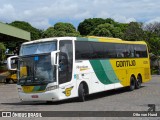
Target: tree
x=94 y=27
x=88 y=25
x=122 y=26
x=50 y=32
x=61 y=29
x=66 y=27
x=110 y=21
x=107 y=30
x=153 y=28
x=103 y=30
x=117 y=32
x=154 y=44
x=2 y=51
x=134 y=32
x=35 y=33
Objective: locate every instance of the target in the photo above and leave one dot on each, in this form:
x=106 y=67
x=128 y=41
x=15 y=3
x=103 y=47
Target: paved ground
x=115 y=100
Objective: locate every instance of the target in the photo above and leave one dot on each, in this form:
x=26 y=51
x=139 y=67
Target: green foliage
x=102 y=27
x=134 y=32
x=103 y=30
x=35 y=33
x=61 y=29
x=154 y=71
x=50 y=32
x=88 y=25
x=154 y=44
x=2 y=47
x=107 y=30
x=2 y=51
x=152 y=37
x=66 y=27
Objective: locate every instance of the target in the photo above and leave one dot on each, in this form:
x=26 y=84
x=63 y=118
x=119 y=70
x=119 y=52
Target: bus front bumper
x=43 y=96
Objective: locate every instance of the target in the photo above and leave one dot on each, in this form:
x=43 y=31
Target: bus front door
x=66 y=84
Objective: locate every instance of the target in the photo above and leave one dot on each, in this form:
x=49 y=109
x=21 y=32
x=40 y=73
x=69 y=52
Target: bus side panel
x=105 y=74
x=85 y=73
x=120 y=71
x=125 y=68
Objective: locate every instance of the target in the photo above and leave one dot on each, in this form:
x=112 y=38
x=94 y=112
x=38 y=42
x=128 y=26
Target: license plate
x=34 y=96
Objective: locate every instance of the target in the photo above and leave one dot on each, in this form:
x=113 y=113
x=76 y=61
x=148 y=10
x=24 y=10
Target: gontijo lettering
x=125 y=63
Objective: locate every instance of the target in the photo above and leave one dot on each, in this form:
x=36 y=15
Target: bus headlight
x=51 y=88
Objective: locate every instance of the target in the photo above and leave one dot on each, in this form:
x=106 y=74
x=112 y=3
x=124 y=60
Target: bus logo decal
x=125 y=63
x=67 y=91
x=82 y=68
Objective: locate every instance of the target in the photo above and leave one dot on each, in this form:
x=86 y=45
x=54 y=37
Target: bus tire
x=138 y=82
x=81 y=93
x=132 y=83
x=9 y=81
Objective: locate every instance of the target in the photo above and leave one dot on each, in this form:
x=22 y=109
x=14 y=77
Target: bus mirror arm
x=54 y=55
x=10 y=62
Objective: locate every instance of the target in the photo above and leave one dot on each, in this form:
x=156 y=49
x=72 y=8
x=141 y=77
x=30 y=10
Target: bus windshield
x=38 y=48
x=36 y=70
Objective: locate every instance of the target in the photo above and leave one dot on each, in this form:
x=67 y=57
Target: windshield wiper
x=26 y=79
x=40 y=80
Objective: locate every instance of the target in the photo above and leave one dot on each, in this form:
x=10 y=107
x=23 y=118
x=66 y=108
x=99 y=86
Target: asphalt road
x=114 y=100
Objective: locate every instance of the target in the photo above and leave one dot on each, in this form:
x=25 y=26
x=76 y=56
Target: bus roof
x=88 y=38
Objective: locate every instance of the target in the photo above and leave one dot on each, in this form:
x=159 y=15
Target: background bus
x=65 y=67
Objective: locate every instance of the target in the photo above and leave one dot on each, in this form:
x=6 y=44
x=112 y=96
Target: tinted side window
x=141 y=51
x=121 y=50
x=98 y=51
x=83 y=50
x=109 y=50
x=130 y=53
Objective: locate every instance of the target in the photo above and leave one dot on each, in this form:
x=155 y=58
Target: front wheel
x=81 y=93
x=10 y=81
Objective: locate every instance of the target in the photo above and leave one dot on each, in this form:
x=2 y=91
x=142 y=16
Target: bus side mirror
x=54 y=55
x=11 y=63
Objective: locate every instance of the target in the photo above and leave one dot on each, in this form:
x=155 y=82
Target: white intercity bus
x=59 y=68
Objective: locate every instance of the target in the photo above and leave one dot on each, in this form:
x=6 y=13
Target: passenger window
x=130 y=53
x=120 y=50
x=141 y=51
x=109 y=50
x=83 y=50
x=98 y=50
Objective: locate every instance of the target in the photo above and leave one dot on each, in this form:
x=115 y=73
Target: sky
x=45 y=13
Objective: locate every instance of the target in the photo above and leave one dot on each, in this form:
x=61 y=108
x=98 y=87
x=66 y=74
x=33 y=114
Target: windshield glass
x=36 y=70
x=38 y=48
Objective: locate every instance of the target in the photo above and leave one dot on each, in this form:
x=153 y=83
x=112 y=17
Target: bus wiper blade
x=26 y=79
x=39 y=80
